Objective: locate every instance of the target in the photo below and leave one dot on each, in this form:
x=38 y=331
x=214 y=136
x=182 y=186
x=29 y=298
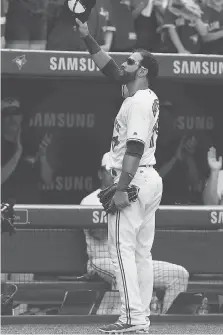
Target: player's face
x=11 y=125
x=131 y=67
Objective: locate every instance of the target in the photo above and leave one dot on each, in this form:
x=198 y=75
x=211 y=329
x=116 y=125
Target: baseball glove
x=7 y=218
x=107 y=195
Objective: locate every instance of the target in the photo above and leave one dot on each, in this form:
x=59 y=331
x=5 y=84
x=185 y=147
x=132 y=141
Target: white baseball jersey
x=137 y=120
x=220 y=184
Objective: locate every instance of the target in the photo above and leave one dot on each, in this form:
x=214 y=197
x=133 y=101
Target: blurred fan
x=188 y=9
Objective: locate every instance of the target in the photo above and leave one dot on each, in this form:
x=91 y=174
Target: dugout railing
x=50 y=243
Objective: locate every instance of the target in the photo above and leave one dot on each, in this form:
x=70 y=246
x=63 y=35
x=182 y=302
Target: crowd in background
x=182 y=160
x=166 y=26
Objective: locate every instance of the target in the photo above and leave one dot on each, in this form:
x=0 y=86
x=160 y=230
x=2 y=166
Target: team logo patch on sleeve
x=115 y=142
x=117 y=126
x=155 y=107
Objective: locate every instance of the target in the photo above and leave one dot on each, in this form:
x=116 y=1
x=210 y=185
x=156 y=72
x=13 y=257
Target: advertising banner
x=171 y=217
x=76 y=64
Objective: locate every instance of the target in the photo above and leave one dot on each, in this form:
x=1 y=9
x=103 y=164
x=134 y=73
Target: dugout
x=65 y=95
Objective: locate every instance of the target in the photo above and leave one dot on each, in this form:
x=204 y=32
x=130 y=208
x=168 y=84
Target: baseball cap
x=105 y=162
x=81 y=9
x=10 y=106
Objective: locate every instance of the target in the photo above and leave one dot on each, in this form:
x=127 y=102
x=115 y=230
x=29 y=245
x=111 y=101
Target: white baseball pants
x=130 y=239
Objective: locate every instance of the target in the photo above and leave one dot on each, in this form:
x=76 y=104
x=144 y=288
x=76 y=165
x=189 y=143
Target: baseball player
x=172 y=278
x=132 y=156
x=213 y=192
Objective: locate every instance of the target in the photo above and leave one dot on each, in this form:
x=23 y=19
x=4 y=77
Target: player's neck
x=135 y=86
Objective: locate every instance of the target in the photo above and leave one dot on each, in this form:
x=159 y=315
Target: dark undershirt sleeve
x=104 y=62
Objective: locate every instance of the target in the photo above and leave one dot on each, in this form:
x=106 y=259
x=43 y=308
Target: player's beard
x=128 y=77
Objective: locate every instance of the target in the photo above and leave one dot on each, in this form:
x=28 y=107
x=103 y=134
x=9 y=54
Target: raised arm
x=211 y=195
x=104 y=62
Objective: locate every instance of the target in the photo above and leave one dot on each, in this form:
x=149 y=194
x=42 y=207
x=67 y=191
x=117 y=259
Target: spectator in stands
x=125 y=36
x=182 y=28
x=172 y=278
x=65 y=37
x=145 y=25
x=176 y=164
x=160 y=7
x=53 y=12
x=26 y=25
x=213 y=191
x=16 y=166
x=213 y=20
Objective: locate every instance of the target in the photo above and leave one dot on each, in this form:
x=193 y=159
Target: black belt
x=145 y=165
